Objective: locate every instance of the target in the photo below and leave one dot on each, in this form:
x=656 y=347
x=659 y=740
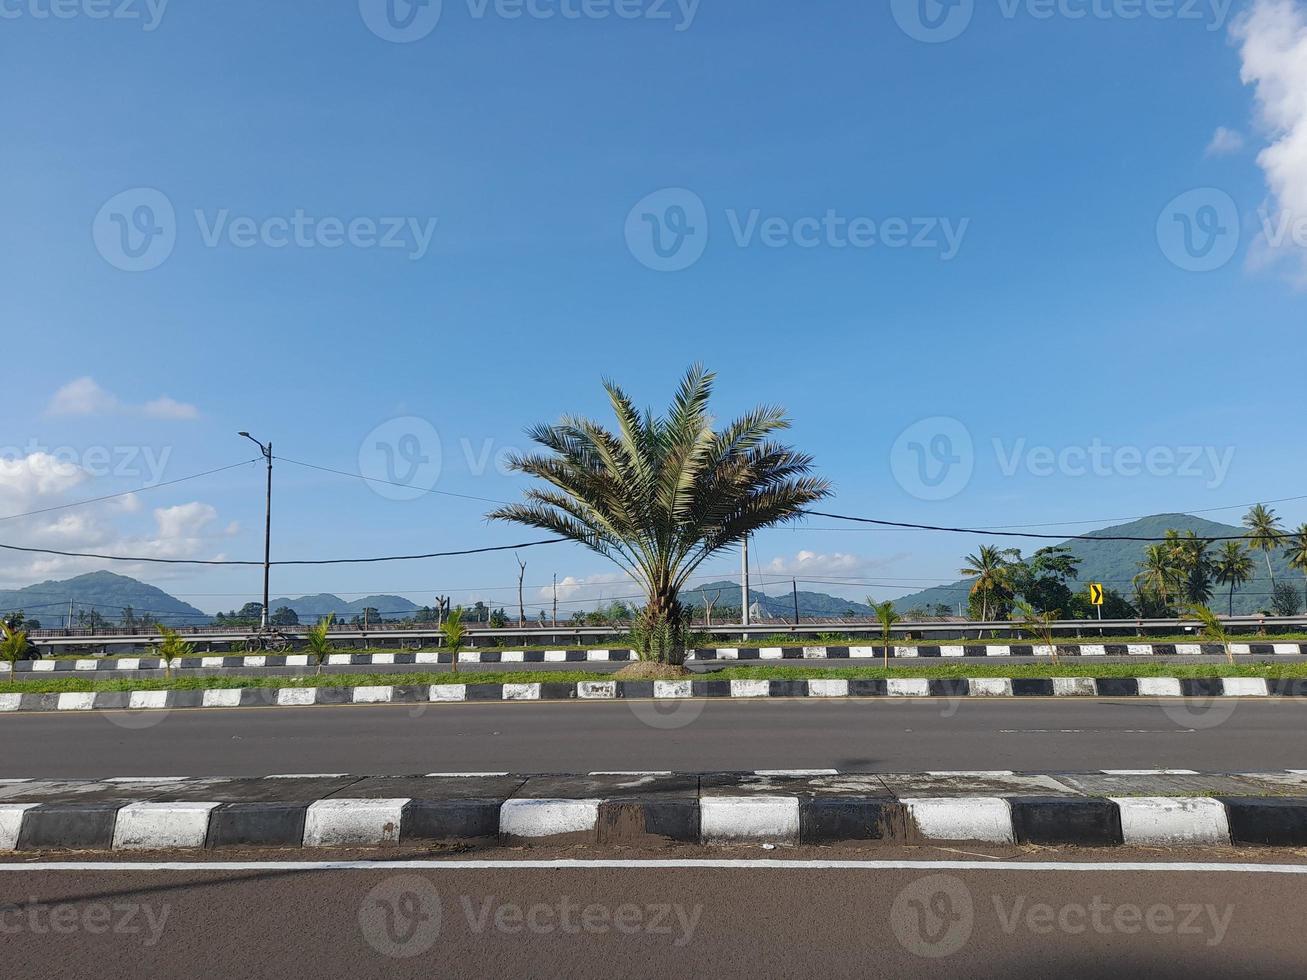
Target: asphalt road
x=884 y=735
x=432 y=920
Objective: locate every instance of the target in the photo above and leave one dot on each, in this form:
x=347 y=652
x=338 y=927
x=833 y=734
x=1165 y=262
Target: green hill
x=105 y=593
x=311 y=607
x=811 y=604
x=1115 y=563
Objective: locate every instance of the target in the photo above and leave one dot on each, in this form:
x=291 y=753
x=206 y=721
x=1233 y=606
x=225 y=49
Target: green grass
x=1064 y=669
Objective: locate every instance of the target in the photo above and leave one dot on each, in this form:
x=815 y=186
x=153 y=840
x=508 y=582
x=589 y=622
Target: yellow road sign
x=1095 y=593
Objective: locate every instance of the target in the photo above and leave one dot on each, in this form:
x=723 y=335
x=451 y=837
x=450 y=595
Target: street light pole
x=267 y=526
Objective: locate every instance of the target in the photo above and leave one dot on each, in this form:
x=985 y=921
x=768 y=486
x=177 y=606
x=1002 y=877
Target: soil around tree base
x=651 y=670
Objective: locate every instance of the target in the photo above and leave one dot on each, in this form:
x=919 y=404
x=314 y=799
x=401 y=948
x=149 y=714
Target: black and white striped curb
x=635 y=808
x=512 y=657
x=906 y=687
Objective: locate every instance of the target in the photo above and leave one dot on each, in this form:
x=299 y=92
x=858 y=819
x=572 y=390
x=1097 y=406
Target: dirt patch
x=648 y=670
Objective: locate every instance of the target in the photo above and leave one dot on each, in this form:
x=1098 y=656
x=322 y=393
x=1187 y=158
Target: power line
x=391 y=483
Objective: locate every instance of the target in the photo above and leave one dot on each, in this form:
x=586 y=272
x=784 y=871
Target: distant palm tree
x=887 y=617
x=453 y=630
x=1298 y=549
x=1213 y=628
x=1041 y=624
x=1264 y=530
x=660 y=496
x=318 y=639
x=1157 y=572
x=992 y=571
x=1233 y=567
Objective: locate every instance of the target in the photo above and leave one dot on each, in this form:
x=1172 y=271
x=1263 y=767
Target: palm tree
x=887 y=617
x=1264 y=530
x=992 y=572
x=453 y=629
x=659 y=496
x=318 y=639
x=1193 y=565
x=1213 y=628
x=1298 y=549
x=1157 y=572
x=1234 y=567
x=1040 y=624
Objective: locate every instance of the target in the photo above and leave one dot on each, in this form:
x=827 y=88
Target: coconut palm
x=992 y=572
x=1234 y=567
x=1041 y=624
x=1264 y=530
x=1298 y=549
x=318 y=639
x=660 y=496
x=1189 y=555
x=1213 y=628
x=887 y=617
x=1157 y=572
x=453 y=630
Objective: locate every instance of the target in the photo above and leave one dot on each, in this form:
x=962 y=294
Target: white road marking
x=638 y=864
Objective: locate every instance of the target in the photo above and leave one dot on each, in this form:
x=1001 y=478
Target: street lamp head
x=245 y=434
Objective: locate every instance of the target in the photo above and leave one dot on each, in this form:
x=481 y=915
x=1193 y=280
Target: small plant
x=1212 y=628
x=887 y=617
x=318 y=639
x=14 y=644
x=1039 y=623
x=453 y=630
x=171 y=647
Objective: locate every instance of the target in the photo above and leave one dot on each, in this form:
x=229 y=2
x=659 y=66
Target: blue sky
x=1019 y=270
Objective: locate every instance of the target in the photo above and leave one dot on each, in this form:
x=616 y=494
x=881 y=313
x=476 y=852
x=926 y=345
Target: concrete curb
x=651 y=808
x=981 y=687
x=619 y=655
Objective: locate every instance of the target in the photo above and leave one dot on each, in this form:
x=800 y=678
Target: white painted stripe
x=952 y=651
x=1240 y=648
x=1159 y=687
x=521 y=692
x=728 y=653
x=512 y=657
x=814 y=653
x=865 y=653
x=307 y=775
x=373 y=695
x=10 y=702
x=978 y=818
x=427 y=658
x=1254 y=687
x=334 y=823
x=211 y=661
x=469 y=657
x=555 y=656
x=256 y=660
x=620 y=864
x=297 y=660
x=147 y=699
x=548 y=818
x=76 y=701
x=147 y=779
x=596 y=690
x=1151 y=772
x=596 y=655
x=129 y=663
x=1093 y=650
x=1171 y=821
x=636 y=772
x=998 y=651
x=464 y=775
x=973 y=773
x=447 y=692
x=339 y=659
x=382 y=658
x=1285 y=647
x=828 y=689
x=294 y=696
x=907 y=687
x=11 y=822
x=750 y=689
x=753 y=818
x=1189 y=649
x=990 y=687
x=5 y=668
x=1074 y=687
x=905 y=651
x=771 y=653
x=154 y=826
x=1139 y=649
x=221 y=698
x=796 y=772
x=43 y=665
x=672 y=689
x=1042 y=650
x=84 y=664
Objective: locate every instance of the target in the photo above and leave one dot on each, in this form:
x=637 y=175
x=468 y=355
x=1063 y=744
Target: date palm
x=1264 y=530
x=1233 y=567
x=659 y=496
x=992 y=572
x=1298 y=549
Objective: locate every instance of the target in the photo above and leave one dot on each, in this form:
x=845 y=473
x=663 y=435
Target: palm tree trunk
x=1271 y=573
x=1231 y=612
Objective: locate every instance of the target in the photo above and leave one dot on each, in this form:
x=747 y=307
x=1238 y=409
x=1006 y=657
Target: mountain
x=811 y=604
x=311 y=607
x=103 y=592
x=1115 y=564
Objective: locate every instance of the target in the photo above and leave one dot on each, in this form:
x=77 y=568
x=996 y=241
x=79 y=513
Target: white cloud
x=24 y=480
x=86 y=397
x=811 y=563
x=1224 y=142
x=1273 y=47
x=590 y=588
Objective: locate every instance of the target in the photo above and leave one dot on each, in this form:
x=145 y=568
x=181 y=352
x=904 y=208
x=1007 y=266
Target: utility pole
x=267 y=526
x=555 y=600
x=794 y=586
x=744 y=582
x=521 y=608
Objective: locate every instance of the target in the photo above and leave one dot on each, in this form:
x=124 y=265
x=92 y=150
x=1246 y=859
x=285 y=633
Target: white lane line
x=637 y=864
